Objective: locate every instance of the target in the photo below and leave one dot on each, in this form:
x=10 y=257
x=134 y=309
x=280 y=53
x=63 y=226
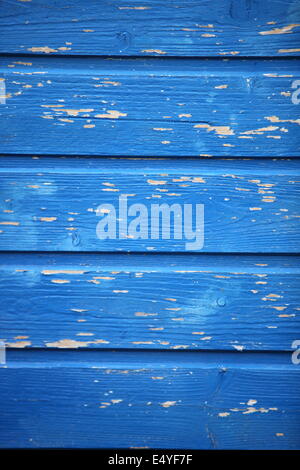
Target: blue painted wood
x=145 y=301
x=162 y=348
x=149 y=27
x=50 y=204
x=163 y=400
x=150 y=107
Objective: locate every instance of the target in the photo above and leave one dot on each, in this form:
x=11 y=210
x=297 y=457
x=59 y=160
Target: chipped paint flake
x=111 y=114
x=283 y=30
x=19 y=344
x=238 y=347
x=251 y=402
x=167 y=404
x=153 y=51
x=261 y=130
x=9 y=223
x=219 y=130
x=287 y=51
x=50 y=272
x=45 y=49
x=74 y=344
x=48 y=219
x=277 y=119
x=156 y=182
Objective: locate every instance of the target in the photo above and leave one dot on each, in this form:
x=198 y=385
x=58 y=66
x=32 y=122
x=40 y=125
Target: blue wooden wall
x=130 y=343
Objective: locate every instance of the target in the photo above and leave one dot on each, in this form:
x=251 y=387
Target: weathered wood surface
x=150 y=107
x=148 y=301
x=149 y=27
x=162 y=400
x=162 y=348
x=50 y=204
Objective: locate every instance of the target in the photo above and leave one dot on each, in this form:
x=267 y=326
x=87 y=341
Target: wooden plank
x=185 y=27
x=150 y=107
x=137 y=301
x=195 y=401
x=56 y=204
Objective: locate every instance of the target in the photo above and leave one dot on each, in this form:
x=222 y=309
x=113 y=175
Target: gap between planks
x=128 y=359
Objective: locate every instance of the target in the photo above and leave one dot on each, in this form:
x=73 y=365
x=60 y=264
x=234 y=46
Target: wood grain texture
x=149 y=301
x=51 y=204
x=149 y=27
x=150 y=107
x=174 y=400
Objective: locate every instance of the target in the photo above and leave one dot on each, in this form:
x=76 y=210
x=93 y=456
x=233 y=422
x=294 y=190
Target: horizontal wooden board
x=52 y=204
x=150 y=107
x=149 y=301
x=149 y=27
x=194 y=401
